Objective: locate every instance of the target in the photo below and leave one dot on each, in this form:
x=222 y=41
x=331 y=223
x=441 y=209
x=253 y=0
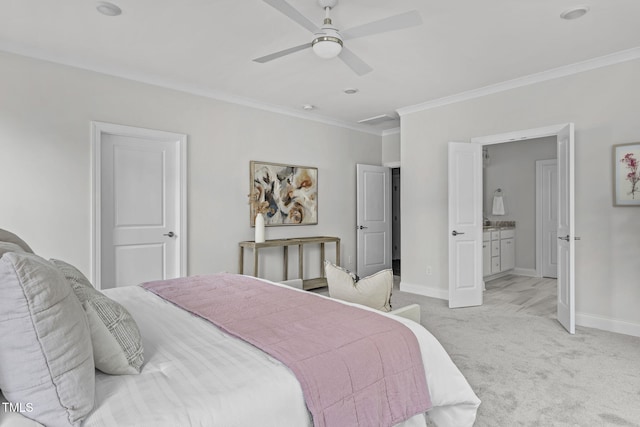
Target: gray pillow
x=7 y=236
x=9 y=247
x=116 y=340
x=46 y=357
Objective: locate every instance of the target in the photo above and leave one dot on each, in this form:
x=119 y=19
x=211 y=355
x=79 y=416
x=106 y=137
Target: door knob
x=455 y=233
x=567 y=238
x=170 y=234
x=360 y=227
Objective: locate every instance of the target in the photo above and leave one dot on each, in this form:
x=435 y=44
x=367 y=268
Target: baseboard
x=497 y=275
x=529 y=272
x=608 y=324
x=426 y=291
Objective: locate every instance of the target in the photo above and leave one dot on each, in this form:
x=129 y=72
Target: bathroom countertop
x=500 y=225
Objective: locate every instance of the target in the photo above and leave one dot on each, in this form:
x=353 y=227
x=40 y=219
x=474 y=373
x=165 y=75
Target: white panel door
x=566 y=229
x=465 y=225
x=141 y=207
x=373 y=219
x=549 y=220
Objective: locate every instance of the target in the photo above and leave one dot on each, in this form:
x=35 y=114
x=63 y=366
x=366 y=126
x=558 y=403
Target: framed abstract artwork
x=284 y=194
x=626 y=175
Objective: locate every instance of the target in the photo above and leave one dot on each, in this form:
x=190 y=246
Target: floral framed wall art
x=285 y=194
x=626 y=174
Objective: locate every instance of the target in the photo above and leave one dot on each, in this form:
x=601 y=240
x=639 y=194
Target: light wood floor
x=533 y=295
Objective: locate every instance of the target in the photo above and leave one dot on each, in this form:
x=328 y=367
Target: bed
x=195 y=374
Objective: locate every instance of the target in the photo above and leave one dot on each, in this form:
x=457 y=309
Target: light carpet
x=528 y=371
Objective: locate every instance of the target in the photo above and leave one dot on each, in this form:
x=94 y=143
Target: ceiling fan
x=328 y=41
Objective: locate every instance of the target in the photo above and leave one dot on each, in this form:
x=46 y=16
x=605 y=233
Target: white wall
x=45 y=114
x=512 y=168
x=391 y=148
x=604 y=104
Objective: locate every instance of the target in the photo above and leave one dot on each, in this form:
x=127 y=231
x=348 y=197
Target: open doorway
x=465 y=218
x=526 y=173
x=520 y=170
x=395 y=224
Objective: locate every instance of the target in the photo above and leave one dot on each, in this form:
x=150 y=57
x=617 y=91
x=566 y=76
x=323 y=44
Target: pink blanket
x=356 y=368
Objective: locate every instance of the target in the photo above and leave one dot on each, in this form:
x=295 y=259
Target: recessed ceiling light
x=308 y=107
x=351 y=91
x=574 y=12
x=108 y=9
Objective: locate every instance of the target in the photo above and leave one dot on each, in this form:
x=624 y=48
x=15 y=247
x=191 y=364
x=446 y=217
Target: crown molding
x=155 y=80
x=555 y=73
x=591 y=64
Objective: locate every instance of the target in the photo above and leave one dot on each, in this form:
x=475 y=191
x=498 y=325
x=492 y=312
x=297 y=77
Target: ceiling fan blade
x=354 y=62
x=282 y=53
x=392 y=23
x=293 y=14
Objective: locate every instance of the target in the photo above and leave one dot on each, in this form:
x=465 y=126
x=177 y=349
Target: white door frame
x=553 y=130
x=97 y=130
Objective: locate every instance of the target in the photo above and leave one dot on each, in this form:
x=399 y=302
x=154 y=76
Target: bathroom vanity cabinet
x=498 y=250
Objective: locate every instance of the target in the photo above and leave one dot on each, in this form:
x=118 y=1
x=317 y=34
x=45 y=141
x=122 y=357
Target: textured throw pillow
x=9 y=247
x=46 y=357
x=373 y=291
x=117 y=345
x=7 y=236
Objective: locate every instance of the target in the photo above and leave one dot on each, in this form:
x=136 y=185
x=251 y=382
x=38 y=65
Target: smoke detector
x=574 y=12
x=108 y=9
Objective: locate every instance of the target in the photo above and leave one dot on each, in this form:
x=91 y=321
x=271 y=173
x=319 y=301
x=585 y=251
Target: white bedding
x=196 y=375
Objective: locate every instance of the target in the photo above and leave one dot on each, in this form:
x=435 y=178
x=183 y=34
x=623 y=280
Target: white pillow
x=116 y=340
x=46 y=357
x=373 y=291
x=9 y=247
x=7 y=236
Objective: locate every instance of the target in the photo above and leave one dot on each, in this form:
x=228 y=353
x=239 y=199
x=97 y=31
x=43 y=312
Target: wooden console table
x=285 y=243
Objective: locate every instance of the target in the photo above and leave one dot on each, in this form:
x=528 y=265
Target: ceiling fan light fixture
x=327 y=39
x=327 y=47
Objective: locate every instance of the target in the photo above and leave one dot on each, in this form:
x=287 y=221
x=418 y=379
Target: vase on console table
x=259 y=228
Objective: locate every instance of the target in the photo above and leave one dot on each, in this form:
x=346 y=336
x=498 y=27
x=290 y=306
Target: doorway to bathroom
x=523 y=176
x=526 y=173
x=465 y=218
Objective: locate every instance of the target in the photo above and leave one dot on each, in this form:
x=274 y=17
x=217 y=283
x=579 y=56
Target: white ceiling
x=207 y=47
